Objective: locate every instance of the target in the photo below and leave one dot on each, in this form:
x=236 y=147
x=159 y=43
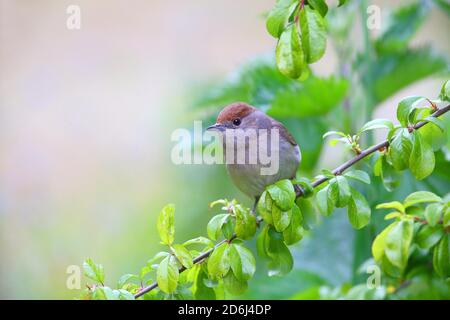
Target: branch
x=337 y=171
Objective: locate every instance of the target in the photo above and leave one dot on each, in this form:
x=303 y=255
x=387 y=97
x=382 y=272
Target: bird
x=236 y=120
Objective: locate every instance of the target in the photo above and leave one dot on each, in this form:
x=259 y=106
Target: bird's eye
x=237 y=122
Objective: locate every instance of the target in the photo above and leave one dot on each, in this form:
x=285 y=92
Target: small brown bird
x=243 y=129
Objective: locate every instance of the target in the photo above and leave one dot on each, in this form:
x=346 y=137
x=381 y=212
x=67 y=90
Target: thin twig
x=337 y=171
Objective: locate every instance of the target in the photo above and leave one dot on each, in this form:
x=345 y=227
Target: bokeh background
x=85 y=123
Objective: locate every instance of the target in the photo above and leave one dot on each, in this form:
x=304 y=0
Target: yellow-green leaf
x=379 y=243
x=165 y=225
x=397 y=243
x=219 y=261
x=167 y=274
x=281 y=219
x=183 y=255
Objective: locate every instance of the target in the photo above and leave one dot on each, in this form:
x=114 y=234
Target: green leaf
x=202 y=291
x=309 y=211
x=441 y=257
x=183 y=255
x=144 y=272
x=397 y=242
x=159 y=255
x=434 y=133
x=379 y=243
x=419 y=111
x=245 y=223
x=279 y=15
x=126 y=278
x=437 y=122
x=165 y=225
x=219 y=261
x=281 y=261
x=401 y=25
x=446 y=219
x=320 y=6
x=433 y=213
x=392 y=215
x=332 y=133
x=389 y=176
x=324 y=202
x=294 y=232
x=404 y=108
x=420 y=197
x=215 y=225
x=183 y=292
x=358 y=210
x=445 y=91
x=392 y=205
x=400 y=149
x=262 y=242
x=339 y=191
x=377 y=124
x=167 y=274
x=233 y=285
x=421 y=161
x=242 y=262
x=307 y=98
x=283 y=194
x=228 y=228
x=289 y=54
x=94 y=271
x=125 y=295
x=389 y=268
x=334 y=142
x=222 y=202
x=359 y=175
x=264 y=207
x=281 y=219
x=235 y=261
x=199 y=240
x=327 y=173
x=428 y=236
x=314 y=37
x=270 y=245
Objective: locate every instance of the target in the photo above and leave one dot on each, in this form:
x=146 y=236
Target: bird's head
x=233 y=116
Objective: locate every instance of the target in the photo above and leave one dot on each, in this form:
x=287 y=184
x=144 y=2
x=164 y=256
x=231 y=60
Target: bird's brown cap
x=235 y=110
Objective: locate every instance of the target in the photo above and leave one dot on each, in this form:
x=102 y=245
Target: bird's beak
x=216 y=126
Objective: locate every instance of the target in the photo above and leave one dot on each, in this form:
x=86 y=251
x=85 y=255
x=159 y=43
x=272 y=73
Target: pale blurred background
x=85 y=123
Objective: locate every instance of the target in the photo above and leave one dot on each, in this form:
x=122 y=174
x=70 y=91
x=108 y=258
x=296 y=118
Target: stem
x=337 y=171
x=384 y=144
x=302 y=4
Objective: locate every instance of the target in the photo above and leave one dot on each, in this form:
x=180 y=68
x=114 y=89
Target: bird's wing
x=281 y=128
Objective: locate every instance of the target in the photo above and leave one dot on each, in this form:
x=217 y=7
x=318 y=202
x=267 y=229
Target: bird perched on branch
x=247 y=131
